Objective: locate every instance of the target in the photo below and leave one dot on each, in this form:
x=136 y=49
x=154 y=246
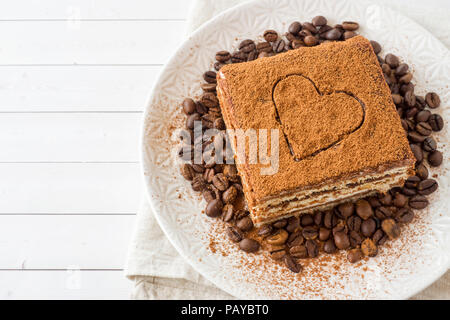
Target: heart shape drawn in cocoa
x=313 y=122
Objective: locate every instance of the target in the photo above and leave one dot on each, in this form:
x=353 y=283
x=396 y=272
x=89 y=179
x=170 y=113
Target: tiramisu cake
x=340 y=137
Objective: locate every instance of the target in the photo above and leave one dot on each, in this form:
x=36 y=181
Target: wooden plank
x=89 y=42
x=72 y=88
x=97 y=9
x=70 y=188
x=62 y=137
x=64 y=242
x=65 y=284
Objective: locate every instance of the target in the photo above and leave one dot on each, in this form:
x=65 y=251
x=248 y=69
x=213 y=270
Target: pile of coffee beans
x=359 y=227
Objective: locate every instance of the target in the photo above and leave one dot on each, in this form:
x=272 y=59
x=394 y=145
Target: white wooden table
x=74 y=78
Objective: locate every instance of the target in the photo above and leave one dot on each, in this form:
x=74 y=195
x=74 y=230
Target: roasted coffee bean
x=324 y=234
x=354 y=255
x=191 y=119
x=355 y=239
x=312 y=248
x=318 y=218
x=404 y=123
x=219 y=124
x=295 y=239
x=239 y=57
x=295 y=28
x=329 y=246
x=354 y=223
x=198 y=168
x=223 y=56
x=386 y=199
x=424 y=128
x=374 y=202
x=341 y=240
x=432 y=99
x=273 y=248
x=234 y=234
x=346 y=209
x=218 y=65
x=214 y=208
x=368 y=227
x=280 y=224
x=198 y=184
x=292 y=264
x=369 y=248
x=278 y=255
x=310 y=233
x=265 y=230
x=297 y=43
x=209 y=99
x=299 y=252
x=210 y=77
x=410 y=99
x=247 y=46
x=278 y=46
x=330 y=219
x=253 y=55
x=406 y=88
x=406 y=78
x=188 y=106
x=311 y=41
x=398 y=99
x=412 y=182
x=422 y=172
x=423 y=116
x=427 y=187
x=201 y=108
x=400 y=200
x=404 y=215
x=271 y=35
x=363 y=209
x=209 y=87
x=436 y=122
x=333 y=34
x=245 y=224
x=341 y=226
x=435 y=158
x=230 y=195
x=220 y=182
x=349 y=35
x=306 y=220
x=383 y=212
x=227 y=212
x=376 y=46
x=377 y=236
x=264 y=47
x=293 y=224
x=417 y=151
x=391 y=228
x=418 y=202
x=392 y=60
x=350 y=25
x=187 y=171
x=409 y=192
x=401 y=70
x=319 y=21
x=278 y=238
x=324 y=29
x=264 y=55
x=429 y=144
x=249 y=245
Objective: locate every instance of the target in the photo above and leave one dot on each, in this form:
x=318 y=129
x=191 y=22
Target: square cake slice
x=340 y=137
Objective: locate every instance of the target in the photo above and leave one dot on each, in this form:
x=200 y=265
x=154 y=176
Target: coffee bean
x=311 y=41
x=323 y=29
x=383 y=212
x=227 y=212
x=209 y=87
x=418 y=202
x=376 y=46
x=295 y=28
x=354 y=223
x=397 y=98
x=406 y=78
x=271 y=35
x=201 y=108
x=214 y=208
x=417 y=151
x=346 y=209
x=374 y=202
x=377 y=236
x=410 y=99
x=424 y=128
x=295 y=239
x=278 y=255
x=280 y=224
x=435 y=158
x=245 y=224
x=401 y=70
x=230 y=195
x=299 y=252
x=432 y=99
x=191 y=119
x=223 y=56
x=218 y=66
x=341 y=240
x=368 y=227
x=306 y=220
x=187 y=171
x=404 y=215
x=329 y=220
x=312 y=248
x=308 y=29
x=409 y=192
x=310 y=233
x=247 y=46
x=319 y=21
x=220 y=182
x=249 y=245
x=391 y=228
x=354 y=255
x=355 y=239
x=329 y=246
x=363 y=209
x=292 y=264
x=188 y=106
x=369 y=248
x=423 y=116
x=412 y=182
x=429 y=144
x=239 y=57
x=392 y=60
x=406 y=88
x=427 y=187
x=253 y=55
x=264 y=47
x=199 y=184
x=386 y=199
x=333 y=34
x=318 y=218
x=349 y=35
x=293 y=224
x=350 y=25
x=234 y=234
x=400 y=200
x=278 y=46
x=324 y=234
x=436 y=122
x=297 y=43
x=265 y=230
x=422 y=172
x=210 y=77
x=278 y=238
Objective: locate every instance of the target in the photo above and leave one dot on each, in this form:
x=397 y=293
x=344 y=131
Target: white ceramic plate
x=419 y=257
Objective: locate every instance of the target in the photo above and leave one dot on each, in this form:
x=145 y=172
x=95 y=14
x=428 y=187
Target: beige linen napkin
x=157 y=270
